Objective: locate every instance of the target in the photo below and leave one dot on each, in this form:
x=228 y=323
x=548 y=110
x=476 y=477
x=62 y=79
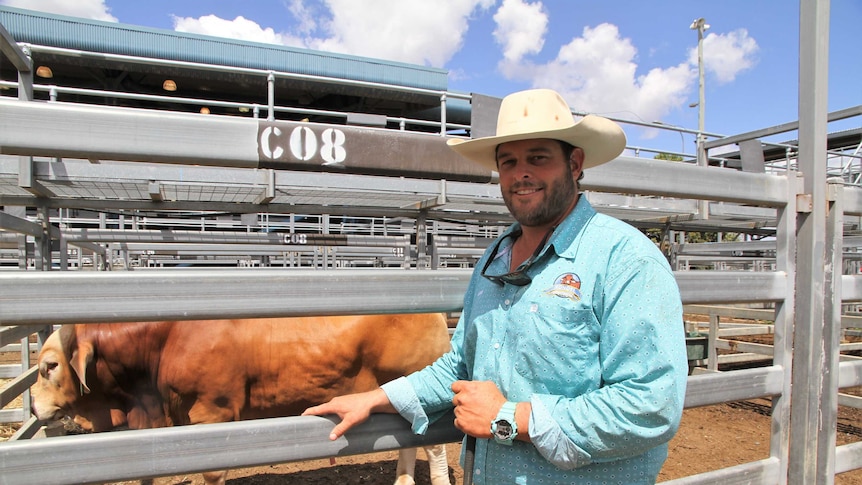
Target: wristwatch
x=503 y=427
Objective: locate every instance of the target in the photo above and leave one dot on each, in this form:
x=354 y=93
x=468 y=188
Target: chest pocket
x=556 y=348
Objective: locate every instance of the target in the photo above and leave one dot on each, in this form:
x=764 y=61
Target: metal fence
x=39 y=298
x=805 y=286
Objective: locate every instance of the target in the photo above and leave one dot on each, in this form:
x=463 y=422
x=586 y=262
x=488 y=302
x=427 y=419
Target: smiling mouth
x=526 y=192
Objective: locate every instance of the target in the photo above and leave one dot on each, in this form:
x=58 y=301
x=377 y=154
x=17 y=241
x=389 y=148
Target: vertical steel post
x=785 y=261
x=813 y=270
x=26 y=177
x=25 y=364
x=422 y=240
x=831 y=331
x=443 y=114
x=712 y=350
x=270 y=96
x=42 y=247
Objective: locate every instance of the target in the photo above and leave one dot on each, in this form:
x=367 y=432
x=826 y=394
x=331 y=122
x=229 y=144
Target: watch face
x=504 y=429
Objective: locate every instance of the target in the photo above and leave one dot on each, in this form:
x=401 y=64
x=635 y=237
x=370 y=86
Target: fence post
x=806 y=420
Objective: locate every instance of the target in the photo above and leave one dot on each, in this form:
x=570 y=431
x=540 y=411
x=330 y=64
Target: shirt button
x=507 y=302
x=497 y=346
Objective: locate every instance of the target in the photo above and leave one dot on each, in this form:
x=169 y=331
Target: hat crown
x=543 y=113
x=532 y=111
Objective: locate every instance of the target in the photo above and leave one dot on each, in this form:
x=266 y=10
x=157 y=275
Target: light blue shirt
x=595 y=343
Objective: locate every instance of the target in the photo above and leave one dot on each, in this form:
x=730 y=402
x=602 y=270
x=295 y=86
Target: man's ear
x=576 y=159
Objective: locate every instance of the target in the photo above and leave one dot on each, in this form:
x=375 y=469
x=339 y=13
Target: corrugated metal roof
x=98 y=36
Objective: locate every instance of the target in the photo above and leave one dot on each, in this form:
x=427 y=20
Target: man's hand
x=476 y=405
x=353 y=409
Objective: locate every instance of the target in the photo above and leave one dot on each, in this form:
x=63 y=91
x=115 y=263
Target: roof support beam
x=269 y=188
x=11 y=51
x=154 y=188
x=10 y=223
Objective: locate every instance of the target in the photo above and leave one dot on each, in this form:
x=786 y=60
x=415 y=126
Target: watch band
x=503 y=428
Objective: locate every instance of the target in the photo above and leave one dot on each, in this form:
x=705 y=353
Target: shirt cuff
x=403 y=398
x=551 y=442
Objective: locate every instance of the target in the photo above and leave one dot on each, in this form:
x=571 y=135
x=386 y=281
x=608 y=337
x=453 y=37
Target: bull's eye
x=47 y=367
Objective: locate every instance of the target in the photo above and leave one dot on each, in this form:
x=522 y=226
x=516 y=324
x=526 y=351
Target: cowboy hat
x=543 y=113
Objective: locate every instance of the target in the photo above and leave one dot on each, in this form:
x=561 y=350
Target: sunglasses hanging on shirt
x=519 y=276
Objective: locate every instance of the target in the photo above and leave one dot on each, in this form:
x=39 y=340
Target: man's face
x=537 y=184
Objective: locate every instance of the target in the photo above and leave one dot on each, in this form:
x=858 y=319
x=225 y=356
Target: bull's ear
x=81 y=358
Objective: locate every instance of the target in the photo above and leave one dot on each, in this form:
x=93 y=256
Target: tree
x=668 y=156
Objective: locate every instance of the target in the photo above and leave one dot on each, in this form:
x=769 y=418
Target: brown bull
x=156 y=374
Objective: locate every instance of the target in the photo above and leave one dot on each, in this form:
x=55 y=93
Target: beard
x=557 y=200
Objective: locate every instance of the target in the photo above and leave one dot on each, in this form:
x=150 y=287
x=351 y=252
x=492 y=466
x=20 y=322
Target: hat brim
x=601 y=139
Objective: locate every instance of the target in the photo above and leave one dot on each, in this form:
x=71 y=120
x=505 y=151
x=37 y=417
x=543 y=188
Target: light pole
x=700 y=26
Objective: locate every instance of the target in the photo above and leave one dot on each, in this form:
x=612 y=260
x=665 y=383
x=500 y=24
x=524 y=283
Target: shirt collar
x=566 y=237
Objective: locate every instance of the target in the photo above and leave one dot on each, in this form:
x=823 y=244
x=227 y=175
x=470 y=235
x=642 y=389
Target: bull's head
x=61 y=388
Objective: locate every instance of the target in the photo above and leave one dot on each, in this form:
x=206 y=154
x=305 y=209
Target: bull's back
x=280 y=366
x=401 y=344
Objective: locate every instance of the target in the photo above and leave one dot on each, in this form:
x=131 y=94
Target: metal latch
x=804 y=203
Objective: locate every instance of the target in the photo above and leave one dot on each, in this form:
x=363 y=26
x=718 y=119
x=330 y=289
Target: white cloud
x=521 y=28
x=413 y=31
x=726 y=55
x=597 y=73
x=90 y=9
x=305 y=17
x=238 y=28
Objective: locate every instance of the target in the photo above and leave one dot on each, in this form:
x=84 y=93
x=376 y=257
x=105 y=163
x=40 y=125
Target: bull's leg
x=203 y=411
x=207 y=410
x=215 y=478
x=210 y=478
x=438 y=464
x=404 y=471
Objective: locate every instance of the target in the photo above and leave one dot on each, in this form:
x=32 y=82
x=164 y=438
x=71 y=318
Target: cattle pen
x=404 y=241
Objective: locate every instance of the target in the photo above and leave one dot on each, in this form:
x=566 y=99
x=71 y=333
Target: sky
x=630 y=59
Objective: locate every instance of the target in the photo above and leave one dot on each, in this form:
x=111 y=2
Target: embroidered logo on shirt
x=567 y=285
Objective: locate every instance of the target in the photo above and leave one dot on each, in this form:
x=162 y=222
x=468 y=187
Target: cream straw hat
x=543 y=113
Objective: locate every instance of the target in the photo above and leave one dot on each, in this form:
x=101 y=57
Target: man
x=568 y=363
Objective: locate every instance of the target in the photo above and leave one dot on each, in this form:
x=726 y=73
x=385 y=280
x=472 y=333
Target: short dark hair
x=568 y=148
